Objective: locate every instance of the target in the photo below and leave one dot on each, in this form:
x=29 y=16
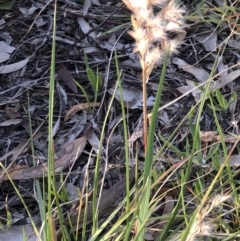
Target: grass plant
x=152 y=41
x=205 y=198
x=153 y=46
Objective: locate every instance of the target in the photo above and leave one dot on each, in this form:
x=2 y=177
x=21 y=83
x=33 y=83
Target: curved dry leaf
x=79 y=107
x=196 y=93
x=67 y=156
x=226 y=79
x=62 y=102
x=208 y=40
x=222 y=69
x=11 y=122
x=85 y=27
x=132 y=97
x=200 y=74
x=94 y=142
x=87 y=4
x=67 y=77
x=234 y=44
x=19 y=149
x=169 y=205
x=10 y=101
x=13 y=67
x=209 y=136
x=96 y=2
x=134 y=63
x=5 y=51
x=28 y=11
x=234 y=161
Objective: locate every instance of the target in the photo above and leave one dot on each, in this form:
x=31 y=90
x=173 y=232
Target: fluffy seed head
x=150 y=29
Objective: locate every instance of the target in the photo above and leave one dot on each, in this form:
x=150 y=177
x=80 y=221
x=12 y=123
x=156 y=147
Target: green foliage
x=82 y=89
x=6 y=5
x=94 y=79
x=222 y=103
x=9 y=219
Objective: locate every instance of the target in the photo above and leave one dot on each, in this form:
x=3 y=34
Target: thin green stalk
x=40 y=201
x=144 y=205
x=51 y=166
x=145 y=121
x=21 y=198
x=97 y=167
x=189 y=166
x=127 y=163
x=82 y=89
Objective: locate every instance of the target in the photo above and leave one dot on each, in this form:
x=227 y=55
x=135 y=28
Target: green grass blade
x=144 y=205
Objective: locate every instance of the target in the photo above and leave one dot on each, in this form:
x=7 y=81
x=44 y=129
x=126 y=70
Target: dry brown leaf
x=200 y=74
x=87 y=4
x=234 y=161
x=86 y=28
x=5 y=51
x=16 y=151
x=132 y=97
x=20 y=148
x=94 y=141
x=169 y=205
x=13 y=67
x=72 y=151
x=196 y=93
x=11 y=122
x=79 y=107
x=67 y=77
x=208 y=40
x=68 y=155
x=13 y=111
x=208 y=136
x=226 y=79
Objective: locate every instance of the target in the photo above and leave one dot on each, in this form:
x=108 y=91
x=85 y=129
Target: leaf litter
x=94 y=28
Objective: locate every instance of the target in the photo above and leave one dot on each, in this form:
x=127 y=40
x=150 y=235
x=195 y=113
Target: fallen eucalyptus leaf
x=226 y=79
x=208 y=40
x=200 y=74
x=5 y=51
x=67 y=156
x=11 y=122
x=13 y=67
x=132 y=97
